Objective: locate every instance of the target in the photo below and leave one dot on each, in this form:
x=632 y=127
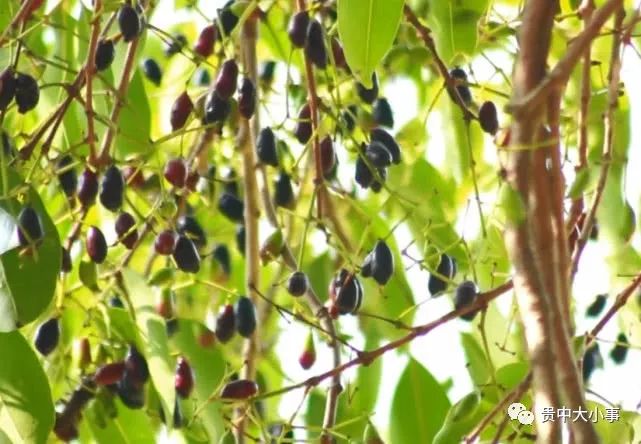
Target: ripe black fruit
x=67 y=175
x=297 y=283
x=303 y=129
x=466 y=294
x=87 y=188
x=620 y=351
x=266 y=147
x=112 y=189
x=245 y=316
x=591 y=358
x=227 y=79
x=216 y=108
x=30 y=230
x=96 y=245
x=180 y=111
x=205 y=43
x=132 y=395
x=47 y=336
x=228 y=20
x=597 y=305
x=27 y=93
x=377 y=184
x=247 y=98
x=348 y=292
x=240 y=239
x=136 y=368
x=186 y=255
x=315 y=45
x=363 y=175
x=382 y=113
x=239 y=389
x=7 y=88
x=231 y=207
x=283 y=191
x=267 y=71
x=368 y=95
x=184 y=378
x=190 y=227
x=116 y=302
x=297 y=29
x=129 y=23
x=349 y=118
x=328 y=156
x=178 y=42
x=152 y=71
x=231 y=182
x=105 y=53
x=382 y=263
x=225 y=324
x=339 y=55
x=176 y=172
x=488 y=118
x=125 y=229
x=382 y=136
x=378 y=155
x=445 y=268
x=460 y=78
x=165 y=242
x=222 y=257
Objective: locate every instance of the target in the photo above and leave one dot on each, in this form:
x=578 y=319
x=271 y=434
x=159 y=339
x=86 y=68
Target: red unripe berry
x=176 y=172
x=109 y=373
x=227 y=79
x=184 y=379
x=180 y=111
x=239 y=389
x=165 y=242
x=205 y=43
x=127 y=234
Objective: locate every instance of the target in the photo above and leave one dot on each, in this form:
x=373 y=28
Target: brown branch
x=245 y=141
x=89 y=71
x=20 y=16
x=608 y=141
x=558 y=77
x=425 y=35
x=367 y=357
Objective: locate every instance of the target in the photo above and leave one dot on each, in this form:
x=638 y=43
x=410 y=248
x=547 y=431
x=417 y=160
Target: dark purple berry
x=620 y=350
x=30 y=229
x=66 y=265
x=283 y=191
x=488 y=118
x=47 y=336
x=597 y=306
x=228 y=20
x=129 y=23
x=247 y=98
x=382 y=113
x=87 y=188
x=297 y=29
x=339 y=55
x=315 y=45
x=466 y=294
x=184 y=378
x=327 y=155
x=190 y=227
x=27 y=93
x=297 y=283
x=96 y=245
x=7 y=87
x=303 y=130
x=368 y=95
x=216 y=108
x=245 y=313
x=460 y=78
x=382 y=136
x=239 y=389
x=125 y=229
x=152 y=71
x=231 y=207
x=378 y=155
x=180 y=111
x=186 y=255
x=445 y=268
x=266 y=147
x=227 y=79
x=225 y=324
x=222 y=257
x=67 y=175
x=382 y=264
x=363 y=175
x=267 y=71
x=178 y=42
x=240 y=239
x=112 y=189
x=105 y=54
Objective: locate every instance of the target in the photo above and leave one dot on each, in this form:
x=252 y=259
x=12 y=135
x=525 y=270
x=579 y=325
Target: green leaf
x=367 y=29
x=454 y=25
x=134 y=124
x=461 y=418
x=156 y=349
x=477 y=364
x=26 y=407
x=580 y=184
x=419 y=406
x=23 y=298
x=89 y=275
